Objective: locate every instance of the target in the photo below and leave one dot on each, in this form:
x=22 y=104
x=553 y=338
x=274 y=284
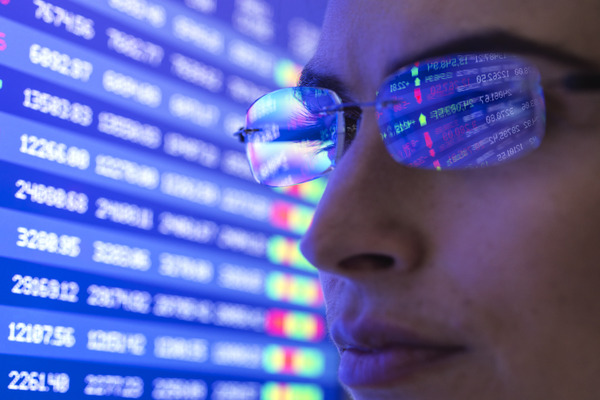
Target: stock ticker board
x=138 y=258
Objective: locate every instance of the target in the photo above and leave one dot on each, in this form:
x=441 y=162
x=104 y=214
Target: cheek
x=524 y=259
x=334 y=291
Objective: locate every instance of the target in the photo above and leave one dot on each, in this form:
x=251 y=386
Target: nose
x=366 y=220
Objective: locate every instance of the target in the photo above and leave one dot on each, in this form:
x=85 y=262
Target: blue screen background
x=138 y=257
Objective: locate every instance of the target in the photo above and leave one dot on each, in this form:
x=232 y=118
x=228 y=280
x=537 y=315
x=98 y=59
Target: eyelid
x=311 y=78
x=554 y=75
x=580 y=82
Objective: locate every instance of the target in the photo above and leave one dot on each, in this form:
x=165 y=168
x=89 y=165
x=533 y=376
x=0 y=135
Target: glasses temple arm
x=582 y=81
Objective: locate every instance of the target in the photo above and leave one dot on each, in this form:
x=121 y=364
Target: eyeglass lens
x=462 y=111
x=293 y=141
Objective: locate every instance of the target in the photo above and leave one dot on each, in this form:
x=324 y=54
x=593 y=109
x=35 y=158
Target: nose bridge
x=366 y=165
x=362 y=212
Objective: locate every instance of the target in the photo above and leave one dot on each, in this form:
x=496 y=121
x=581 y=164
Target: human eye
x=569 y=103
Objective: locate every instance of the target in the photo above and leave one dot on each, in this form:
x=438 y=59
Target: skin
x=504 y=261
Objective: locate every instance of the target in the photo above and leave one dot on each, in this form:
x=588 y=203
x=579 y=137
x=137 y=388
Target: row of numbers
x=142 y=302
x=128 y=387
x=120 y=255
x=66 y=245
x=64 y=336
x=115 y=211
x=139 y=259
x=145 y=176
x=50 y=150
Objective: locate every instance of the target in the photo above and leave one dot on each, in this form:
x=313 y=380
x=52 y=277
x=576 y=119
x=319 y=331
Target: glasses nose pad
x=332 y=135
x=338 y=138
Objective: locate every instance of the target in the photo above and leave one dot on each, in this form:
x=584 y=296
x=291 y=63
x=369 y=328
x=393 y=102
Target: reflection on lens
x=462 y=111
x=292 y=140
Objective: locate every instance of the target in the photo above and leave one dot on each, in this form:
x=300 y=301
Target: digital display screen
x=139 y=259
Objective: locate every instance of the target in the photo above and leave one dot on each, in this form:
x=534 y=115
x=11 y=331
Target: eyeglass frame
x=587 y=80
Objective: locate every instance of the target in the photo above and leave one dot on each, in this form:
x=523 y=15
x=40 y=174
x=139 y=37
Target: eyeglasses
x=446 y=113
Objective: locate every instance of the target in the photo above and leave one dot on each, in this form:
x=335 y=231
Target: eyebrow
x=495 y=41
x=310 y=77
x=504 y=42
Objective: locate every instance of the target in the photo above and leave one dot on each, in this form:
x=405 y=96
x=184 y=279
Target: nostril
x=367 y=262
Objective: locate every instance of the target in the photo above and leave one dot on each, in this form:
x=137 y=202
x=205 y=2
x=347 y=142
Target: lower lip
x=387 y=366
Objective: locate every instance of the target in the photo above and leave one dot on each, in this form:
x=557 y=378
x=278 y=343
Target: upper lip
x=369 y=335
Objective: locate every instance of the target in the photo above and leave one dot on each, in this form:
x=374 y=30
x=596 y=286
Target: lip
x=375 y=354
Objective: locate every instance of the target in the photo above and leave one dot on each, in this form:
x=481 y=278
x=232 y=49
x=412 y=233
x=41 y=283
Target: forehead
x=361 y=38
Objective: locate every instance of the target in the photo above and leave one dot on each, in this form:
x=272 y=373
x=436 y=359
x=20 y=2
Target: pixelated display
x=139 y=259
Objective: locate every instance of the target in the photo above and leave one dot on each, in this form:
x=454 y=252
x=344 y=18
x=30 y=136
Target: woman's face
x=479 y=284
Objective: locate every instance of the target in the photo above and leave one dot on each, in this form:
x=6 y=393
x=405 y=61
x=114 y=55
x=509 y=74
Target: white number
x=57 y=16
x=38 y=381
x=179 y=348
x=29 y=381
x=45 y=288
x=178 y=389
x=130 y=88
x=51 y=196
x=113 y=297
x=116 y=342
x=129 y=387
x=124 y=213
x=60 y=62
x=58 y=107
x=49 y=242
x=141 y=10
x=59 y=336
x=130 y=130
x=128 y=171
x=134 y=47
x=121 y=255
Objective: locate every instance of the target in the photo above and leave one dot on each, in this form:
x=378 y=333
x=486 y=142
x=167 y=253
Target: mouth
x=376 y=355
